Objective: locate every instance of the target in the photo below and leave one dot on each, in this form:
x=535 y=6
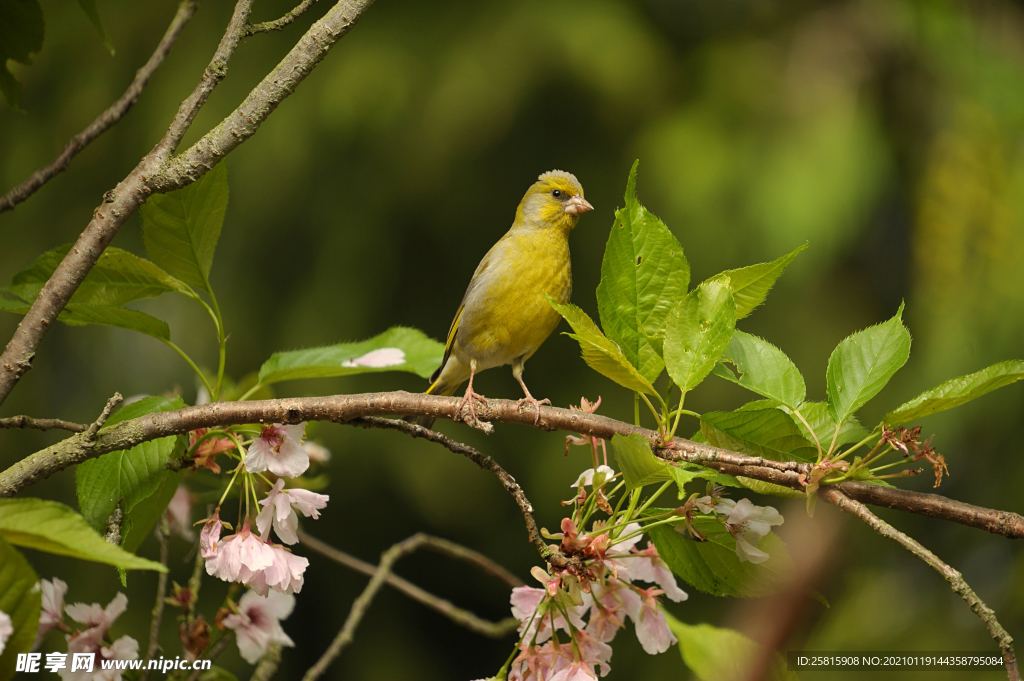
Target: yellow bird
x=504 y=315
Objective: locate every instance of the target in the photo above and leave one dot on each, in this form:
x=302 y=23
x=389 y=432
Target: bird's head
x=554 y=200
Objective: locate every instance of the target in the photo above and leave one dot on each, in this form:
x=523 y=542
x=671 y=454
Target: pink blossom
x=242 y=551
x=278 y=508
x=620 y=568
x=317 y=452
x=52 y=613
x=284 y=574
x=749 y=524
x=279 y=450
x=651 y=626
x=257 y=624
x=97 y=621
x=593 y=651
x=577 y=671
x=611 y=599
x=539 y=662
x=6 y=629
x=179 y=514
x=124 y=648
x=209 y=537
x=648 y=566
x=527 y=600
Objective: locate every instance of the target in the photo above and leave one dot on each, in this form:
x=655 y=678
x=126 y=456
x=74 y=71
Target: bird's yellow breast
x=506 y=314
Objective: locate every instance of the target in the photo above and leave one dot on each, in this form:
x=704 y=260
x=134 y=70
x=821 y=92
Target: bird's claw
x=531 y=400
x=473 y=420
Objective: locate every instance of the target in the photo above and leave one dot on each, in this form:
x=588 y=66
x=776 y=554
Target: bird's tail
x=436 y=388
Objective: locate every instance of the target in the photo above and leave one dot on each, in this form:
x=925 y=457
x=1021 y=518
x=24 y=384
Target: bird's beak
x=577 y=205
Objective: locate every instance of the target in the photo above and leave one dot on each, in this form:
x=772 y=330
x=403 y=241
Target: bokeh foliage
x=888 y=135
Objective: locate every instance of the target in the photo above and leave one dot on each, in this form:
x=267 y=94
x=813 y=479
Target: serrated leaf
x=957 y=391
x=715 y=654
x=643 y=273
x=863 y=363
x=599 y=352
x=101 y=315
x=763 y=368
x=818 y=418
x=713 y=567
x=127 y=476
x=55 y=528
x=21 y=35
x=750 y=285
x=21 y=601
x=181 y=229
x=637 y=462
x=89 y=7
x=117 y=278
x=767 y=433
x=144 y=516
x=698 y=332
x=397 y=349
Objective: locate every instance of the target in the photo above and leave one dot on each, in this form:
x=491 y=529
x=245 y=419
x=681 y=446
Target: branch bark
x=22 y=422
x=278 y=24
x=105 y=120
x=164 y=535
x=348 y=408
x=955 y=579
x=158 y=172
x=456 y=614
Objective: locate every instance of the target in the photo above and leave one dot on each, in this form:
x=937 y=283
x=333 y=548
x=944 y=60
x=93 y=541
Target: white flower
x=258 y=623
x=749 y=524
x=709 y=504
x=90 y=640
x=279 y=509
x=317 y=452
x=651 y=626
x=279 y=450
x=6 y=629
x=587 y=476
x=179 y=514
x=648 y=566
x=284 y=574
x=377 y=359
x=53 y=606
x=241 y=551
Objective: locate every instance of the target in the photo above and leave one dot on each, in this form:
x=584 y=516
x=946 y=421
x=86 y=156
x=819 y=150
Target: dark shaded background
x=887 y=134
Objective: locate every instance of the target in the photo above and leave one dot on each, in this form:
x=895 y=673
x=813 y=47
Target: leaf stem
x=249 y=393
x=650 y=499
x=809 y=430
x=192 y=364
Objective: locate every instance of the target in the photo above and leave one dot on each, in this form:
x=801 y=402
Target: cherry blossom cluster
x=748 y=523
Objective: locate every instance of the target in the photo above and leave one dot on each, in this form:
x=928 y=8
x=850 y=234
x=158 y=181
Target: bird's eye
x=557 y=193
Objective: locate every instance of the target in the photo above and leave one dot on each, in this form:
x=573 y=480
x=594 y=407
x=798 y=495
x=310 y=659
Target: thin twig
x=164 y=534
x=89 y=434
x=278 y=24
x=955 y=579
x=481 y=460
x=269 y=663
x=346 y=408
x=41 y=424
x=362 y=603
x=105 y=120
x=445 y=607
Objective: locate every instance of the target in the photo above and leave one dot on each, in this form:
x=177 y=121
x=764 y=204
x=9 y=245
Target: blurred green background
x=888 y=134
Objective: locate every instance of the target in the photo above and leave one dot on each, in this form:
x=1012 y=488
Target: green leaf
x=144 y=516
x=416 y=353
x=637 y=462
x=763 y=368
x=118 y=277
x=601 y=354
x=767 y=433
x=181 y=229
x=128 y=476
x=750 y=285
x=103 y=315
x=770 y=488
x=957 y=391
x=714 y=654
x=821 y=423
x=863 y=363
x=55 y=528
x=643 y=274
x=713 y=567
x=21 y=35
x=21 y=601
x=89 y=7
x=699 y=330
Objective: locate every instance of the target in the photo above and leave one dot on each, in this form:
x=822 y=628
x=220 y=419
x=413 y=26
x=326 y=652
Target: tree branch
x=362 y=603
x=41 y=424
x=458 y=615
x=268 y=665
x=105 y=120
x=158 y=173
x=278 y=24
x=345 y=408
x=955 y=579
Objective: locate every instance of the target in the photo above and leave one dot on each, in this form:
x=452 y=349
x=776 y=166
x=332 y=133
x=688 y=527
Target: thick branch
x=157 y=173
x=105 y=120
x=955 y=579
x=462 y=617
x=278 y=24
x=41 y=424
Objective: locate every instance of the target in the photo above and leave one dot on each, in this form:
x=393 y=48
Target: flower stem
x=192 y=364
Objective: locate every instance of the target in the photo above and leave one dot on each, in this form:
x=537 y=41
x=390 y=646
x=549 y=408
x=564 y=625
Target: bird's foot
x=468 y=401
x=531 y=400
